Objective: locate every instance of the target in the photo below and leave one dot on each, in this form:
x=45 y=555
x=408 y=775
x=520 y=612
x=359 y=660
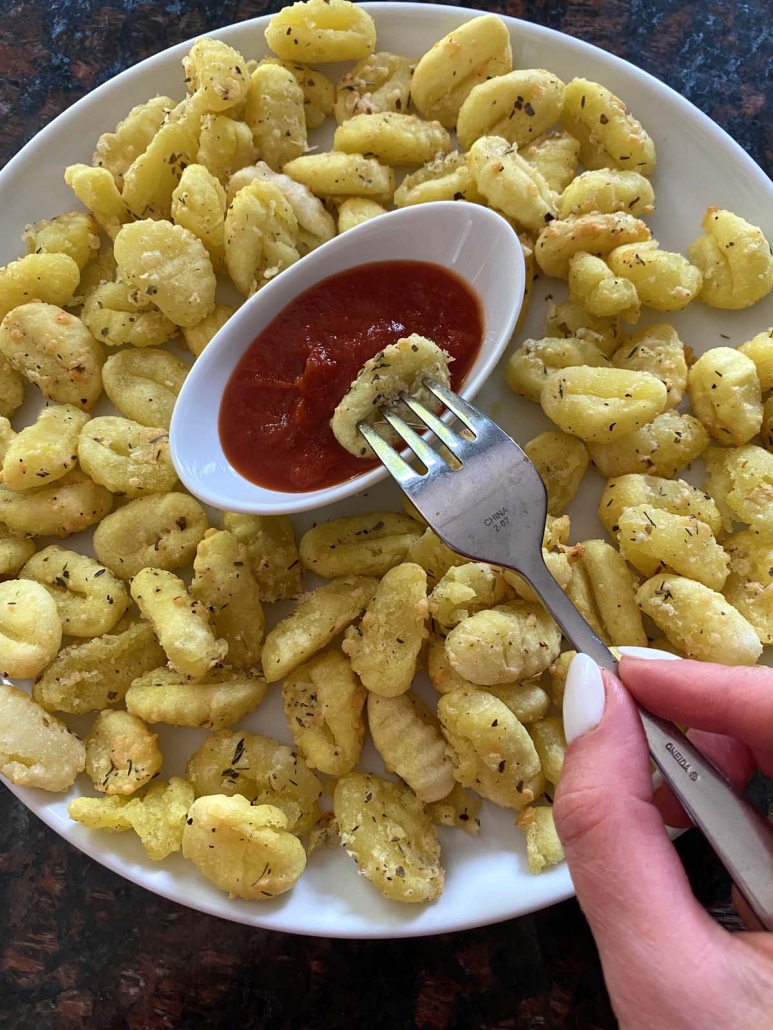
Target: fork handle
x=741 y=837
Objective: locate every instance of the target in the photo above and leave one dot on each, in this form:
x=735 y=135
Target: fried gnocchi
x=323 y=702
x=369 y=545
x=121 y=753
x=220 y=698
x=36 y=749
x=389 y=834
x=46 y=450
x=384 y=647
x=735 y=259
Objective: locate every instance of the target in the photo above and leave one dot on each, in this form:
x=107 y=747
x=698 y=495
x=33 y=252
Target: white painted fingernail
x=584 y=697
x=651 y=653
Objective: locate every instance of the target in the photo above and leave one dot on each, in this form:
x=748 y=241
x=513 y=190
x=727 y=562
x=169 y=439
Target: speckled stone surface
x=79 y=947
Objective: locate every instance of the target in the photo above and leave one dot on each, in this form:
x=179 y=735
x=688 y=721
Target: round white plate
x=698 y=165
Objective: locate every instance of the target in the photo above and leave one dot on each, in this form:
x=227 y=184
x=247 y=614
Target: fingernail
x=651 y=653
x=584 y=697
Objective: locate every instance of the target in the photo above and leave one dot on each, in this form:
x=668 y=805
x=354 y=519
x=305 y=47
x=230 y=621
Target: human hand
x=667 y=964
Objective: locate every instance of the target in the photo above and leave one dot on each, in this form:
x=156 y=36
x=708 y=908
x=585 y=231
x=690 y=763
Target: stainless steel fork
x=492 y=507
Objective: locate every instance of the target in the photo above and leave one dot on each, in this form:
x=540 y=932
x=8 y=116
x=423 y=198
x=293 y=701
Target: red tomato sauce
x=275 y=414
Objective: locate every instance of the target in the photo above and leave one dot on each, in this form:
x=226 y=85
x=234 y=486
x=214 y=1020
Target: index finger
x=732 y=700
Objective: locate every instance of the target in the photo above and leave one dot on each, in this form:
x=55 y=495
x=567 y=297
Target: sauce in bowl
x=274 y=420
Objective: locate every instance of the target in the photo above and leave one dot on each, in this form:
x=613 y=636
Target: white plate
x=698 y=165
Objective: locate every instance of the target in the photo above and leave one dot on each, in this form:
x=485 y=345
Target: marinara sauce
x=276 y=409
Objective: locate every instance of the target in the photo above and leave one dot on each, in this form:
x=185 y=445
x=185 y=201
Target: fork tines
x=427 y=455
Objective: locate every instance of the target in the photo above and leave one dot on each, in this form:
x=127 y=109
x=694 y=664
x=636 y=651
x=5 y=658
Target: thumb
x=628 y=877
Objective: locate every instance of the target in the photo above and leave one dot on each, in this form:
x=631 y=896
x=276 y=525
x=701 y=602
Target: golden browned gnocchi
x=271 y=552
x=664 y=281
x=260 y=236
x=446 y=75
x=543 y=846
x=30 y=629
x=161 y=532
x=318 y=91
x=532 y=364
x=399 y=368
x=158 y=817
x=378 y=83
x=724 y=390
x=314 y=623
x=735 y=259
x=607 y=190
x=664 y=447
x=612 y=588
x=609 y=134
x=699 y=621
x=389 y=834
x=749 y=586
x=150 y=181
x=323 y=702
x=369 y=545
x=36 y=749
x=94 y=674
x=67 y=506
x=407 y=736
x=674 y=495
x=220 y=698
x=491 y=751
x=266 y=773
x=54 y=350
x=127 y=458
x=653 y=540
x=15 y=550
x=117 y=151
x=518 y=106
x=198 y=336
x=90 y=600
x=180 y=622
x=335 y=174
x=116 y=314
x=384 y=647
x=602 y=404
x=597 y=234
x=561 y=461
x=510 y=184
x=224 y=583
x=741 y=479
x=464 y=590
x=433 y=555
x=198 y=204
x=550 y=742
x=760 y=350
x=11 y=388
x=656 y=349
x=460 y=808
x=216 y=73
x=121 y=753
x=595 y=286
x=170 y=265
x=244 y=849
x=571 y=319
x=46 y=450
x=355 y=211
x=225 y=146
x=446 y=177
x=275 y=113
x=393 y=137
x=322 y=32
x=555 y=156
x=144 y=384
x=96 y=189
x=511 y=642
x=73 y=233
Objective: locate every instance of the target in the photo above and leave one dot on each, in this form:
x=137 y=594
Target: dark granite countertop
x=81 y=947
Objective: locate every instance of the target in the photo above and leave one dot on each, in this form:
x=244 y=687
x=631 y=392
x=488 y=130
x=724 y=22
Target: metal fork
x=492 y=507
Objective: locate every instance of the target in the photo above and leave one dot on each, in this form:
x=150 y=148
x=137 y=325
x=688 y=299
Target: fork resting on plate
x=492 y=507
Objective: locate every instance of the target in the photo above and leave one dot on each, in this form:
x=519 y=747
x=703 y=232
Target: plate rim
x=34 y=799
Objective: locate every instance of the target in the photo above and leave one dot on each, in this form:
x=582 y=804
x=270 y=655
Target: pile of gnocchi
x=185 y=200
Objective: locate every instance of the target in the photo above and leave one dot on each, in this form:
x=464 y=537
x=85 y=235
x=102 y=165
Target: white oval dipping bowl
x=474 y=242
